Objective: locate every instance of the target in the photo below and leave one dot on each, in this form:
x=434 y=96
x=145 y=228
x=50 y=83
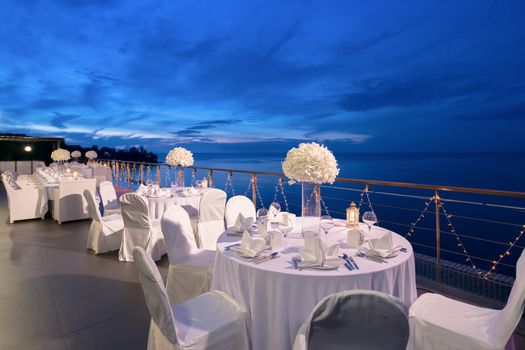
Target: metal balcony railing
x=469 y=238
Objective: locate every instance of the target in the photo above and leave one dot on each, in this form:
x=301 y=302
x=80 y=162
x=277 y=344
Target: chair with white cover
x=356 y=319
x=24 y=203
x=213 y=320
x=238 y=205
x=105 y=232
x=191 y=268
x=437 y=322
x=69 y=203
x=139 y=229
x=109 y=199
x=211 y=218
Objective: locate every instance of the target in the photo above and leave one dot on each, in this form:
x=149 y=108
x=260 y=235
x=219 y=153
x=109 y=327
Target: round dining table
x=279 y=297
x=189 y=201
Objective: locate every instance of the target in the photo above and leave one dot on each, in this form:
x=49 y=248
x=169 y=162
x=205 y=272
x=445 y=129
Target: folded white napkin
x=243 y=224
x=288 y=218
x=142 y=190
x=381 y=244
x=250 y=246
x=315 y=251
x=273 y=215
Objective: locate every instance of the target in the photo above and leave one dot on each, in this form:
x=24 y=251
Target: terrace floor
x=54 y=294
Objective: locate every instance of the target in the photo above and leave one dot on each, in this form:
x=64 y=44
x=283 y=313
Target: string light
x=229 y=184
x=168 y=175
x=421 y=216
x=507 y=252
x=361 y=200
x=458 y=238
x=278 y=186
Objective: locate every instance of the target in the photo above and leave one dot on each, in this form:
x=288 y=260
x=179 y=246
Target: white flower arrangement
x=60 y=154
x=310 y=162
x=76 y=154
x=179 y=156
x=91 y=154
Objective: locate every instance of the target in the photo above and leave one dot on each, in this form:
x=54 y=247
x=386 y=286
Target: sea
x=475 y=229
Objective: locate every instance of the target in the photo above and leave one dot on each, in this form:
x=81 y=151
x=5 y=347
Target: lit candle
x=352 y=216
x=68 y=170
x=75 y=175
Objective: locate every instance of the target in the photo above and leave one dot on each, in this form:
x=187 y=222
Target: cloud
x=59 y=119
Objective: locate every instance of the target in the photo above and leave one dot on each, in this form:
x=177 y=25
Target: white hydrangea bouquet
x=310 y=162
x=179 y=156
x=91 y=154
x=60 y=155
x=76 y=154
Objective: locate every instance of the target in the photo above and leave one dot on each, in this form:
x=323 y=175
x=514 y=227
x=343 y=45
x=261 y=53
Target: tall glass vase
x=311 y=208
x=181 y=177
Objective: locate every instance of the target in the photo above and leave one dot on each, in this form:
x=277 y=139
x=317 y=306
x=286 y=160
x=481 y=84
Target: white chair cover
x=211 y=218
x=191 y=269
x=109 y=199
x=238 y=205
x=139 y=230
x=437 y=322
x=212 y=320
x=25 y=203
x=357 y=319
x=69 y=202
x=105 y=233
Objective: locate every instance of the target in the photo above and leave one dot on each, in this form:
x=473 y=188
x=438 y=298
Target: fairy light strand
x=458 y=238
x=421 y=216
x=506 y=253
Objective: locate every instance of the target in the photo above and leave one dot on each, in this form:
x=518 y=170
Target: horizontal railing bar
x=440 y=188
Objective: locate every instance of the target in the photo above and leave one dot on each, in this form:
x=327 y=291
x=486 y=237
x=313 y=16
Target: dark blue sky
x=264 y=75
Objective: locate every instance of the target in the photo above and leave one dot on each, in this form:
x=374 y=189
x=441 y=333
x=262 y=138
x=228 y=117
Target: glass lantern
x=352 y=216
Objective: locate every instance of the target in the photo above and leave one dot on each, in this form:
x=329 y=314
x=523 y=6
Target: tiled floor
x=56 y=295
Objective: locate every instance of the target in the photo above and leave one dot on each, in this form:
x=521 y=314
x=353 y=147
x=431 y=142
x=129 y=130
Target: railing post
x=117 y=173
x=210 y=181
x=158 y=176
x=438 y=237
x=129 y=174
x=142 y=174
x=254 y=189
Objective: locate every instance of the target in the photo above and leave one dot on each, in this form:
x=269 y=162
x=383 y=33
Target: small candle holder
x=352 y=216
x=75 y=175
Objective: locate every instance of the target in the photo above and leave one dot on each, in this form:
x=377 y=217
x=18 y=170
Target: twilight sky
x=265 y=75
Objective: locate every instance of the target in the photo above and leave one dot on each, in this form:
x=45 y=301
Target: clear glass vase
x=180 y=180
x=311 y=209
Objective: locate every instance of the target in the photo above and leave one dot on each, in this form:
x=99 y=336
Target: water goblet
x=326 y=224
x=370 y=219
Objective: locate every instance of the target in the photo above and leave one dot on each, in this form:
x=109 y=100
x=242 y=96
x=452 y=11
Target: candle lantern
x=352 y=215
x=204 y=183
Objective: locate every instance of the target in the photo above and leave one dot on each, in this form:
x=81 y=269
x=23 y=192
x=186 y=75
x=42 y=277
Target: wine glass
x=286 y=229
x=326 y=224
x=370 y=219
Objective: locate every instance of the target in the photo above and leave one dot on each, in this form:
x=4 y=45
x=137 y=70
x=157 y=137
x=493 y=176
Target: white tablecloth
x=280 y=298
x=158 y=205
